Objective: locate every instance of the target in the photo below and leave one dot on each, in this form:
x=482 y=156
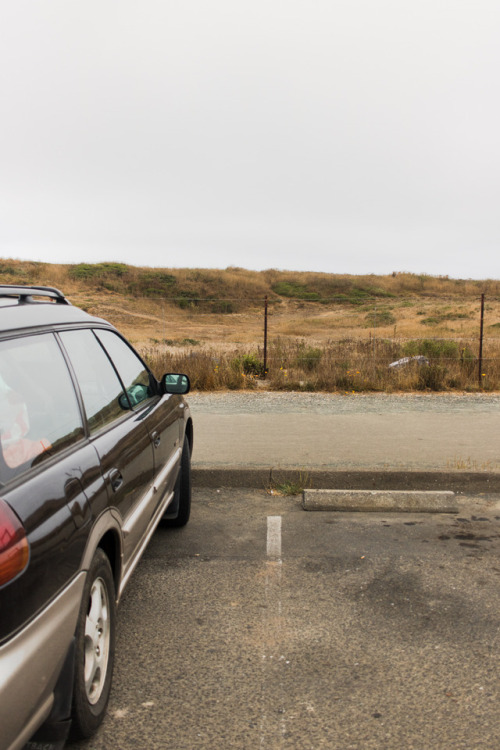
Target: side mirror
x=135 y=395
x=175 y=383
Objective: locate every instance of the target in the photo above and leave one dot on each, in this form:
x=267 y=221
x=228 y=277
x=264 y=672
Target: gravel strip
x=279 y=402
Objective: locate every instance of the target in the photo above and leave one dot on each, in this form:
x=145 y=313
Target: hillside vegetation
x=328 y=331
x=238 y=285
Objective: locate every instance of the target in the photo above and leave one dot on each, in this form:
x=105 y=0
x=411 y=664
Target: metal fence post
x=481 y=332
x=265 y=336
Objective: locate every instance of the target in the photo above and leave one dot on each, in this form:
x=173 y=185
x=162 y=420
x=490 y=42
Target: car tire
x=95 y=649
x=182 y=493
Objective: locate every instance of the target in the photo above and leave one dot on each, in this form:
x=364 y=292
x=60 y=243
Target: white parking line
x=273 y=719
x=274 y=537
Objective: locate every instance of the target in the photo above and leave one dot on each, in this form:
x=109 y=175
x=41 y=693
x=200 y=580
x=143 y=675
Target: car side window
x=39 y=411
x=135 y=377
x=100 y=386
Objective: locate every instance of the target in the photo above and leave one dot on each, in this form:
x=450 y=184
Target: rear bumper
x=30 y=664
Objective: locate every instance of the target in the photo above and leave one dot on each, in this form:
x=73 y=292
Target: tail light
x=14 y=546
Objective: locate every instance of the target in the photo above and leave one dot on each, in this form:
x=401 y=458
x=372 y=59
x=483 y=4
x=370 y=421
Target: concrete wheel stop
x=394 y=501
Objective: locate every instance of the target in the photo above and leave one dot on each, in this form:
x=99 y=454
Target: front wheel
x=95 y=649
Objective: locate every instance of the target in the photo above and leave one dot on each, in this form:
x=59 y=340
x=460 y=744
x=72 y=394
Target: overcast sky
x=348 y=136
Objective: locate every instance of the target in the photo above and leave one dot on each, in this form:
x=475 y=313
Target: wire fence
x=468 y=360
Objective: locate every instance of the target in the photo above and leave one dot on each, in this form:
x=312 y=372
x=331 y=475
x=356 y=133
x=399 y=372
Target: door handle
x=115 y=479
x=156 y=438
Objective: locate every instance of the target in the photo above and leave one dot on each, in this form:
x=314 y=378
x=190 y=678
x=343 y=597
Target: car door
x=162 y=415
x=118 y=434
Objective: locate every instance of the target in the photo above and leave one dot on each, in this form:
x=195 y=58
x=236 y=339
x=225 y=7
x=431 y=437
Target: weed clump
x=432 y=378
x=380 y=318
x=249 y=364
x=296 y=290
x=88 y=271
x=289 y=485
x=438 y=349
x=308 y=358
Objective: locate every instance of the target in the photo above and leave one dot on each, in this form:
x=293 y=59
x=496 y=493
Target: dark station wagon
x=94 y=454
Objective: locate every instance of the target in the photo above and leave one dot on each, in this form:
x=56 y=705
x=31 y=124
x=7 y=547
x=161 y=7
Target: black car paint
x=56 y=535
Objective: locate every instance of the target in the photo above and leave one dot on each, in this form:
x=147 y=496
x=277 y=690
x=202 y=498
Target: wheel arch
x=110 y=545
x=106 y=535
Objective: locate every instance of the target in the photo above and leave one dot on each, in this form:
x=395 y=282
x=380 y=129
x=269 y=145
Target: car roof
x=31 y=307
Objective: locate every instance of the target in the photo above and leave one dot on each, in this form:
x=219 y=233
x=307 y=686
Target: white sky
x=348 y=136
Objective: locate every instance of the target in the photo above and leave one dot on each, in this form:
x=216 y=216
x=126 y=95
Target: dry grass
x=205 y=322
x=348 y=366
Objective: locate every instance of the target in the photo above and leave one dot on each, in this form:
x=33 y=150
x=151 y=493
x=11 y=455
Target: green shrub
x=114 y=269
x=249 y=364
x=98 y=271
x=438 y=318
x=186 y=299
x=152 y=284
x=222 y=306
x=6 y=268
x=437 y=349
x=308 y=358
x=252 y=365
x=82 y=271
x=380 y=318
x=295 y=290
x=432 y=321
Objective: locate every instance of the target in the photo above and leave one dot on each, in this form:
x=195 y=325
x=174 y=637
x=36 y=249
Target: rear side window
x=39 y=412
x=100 y=386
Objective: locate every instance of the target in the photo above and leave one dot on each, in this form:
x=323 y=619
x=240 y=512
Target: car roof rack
x=26 y=293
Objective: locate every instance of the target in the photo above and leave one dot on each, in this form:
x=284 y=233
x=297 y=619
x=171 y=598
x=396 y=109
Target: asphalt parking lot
x=261 y=625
